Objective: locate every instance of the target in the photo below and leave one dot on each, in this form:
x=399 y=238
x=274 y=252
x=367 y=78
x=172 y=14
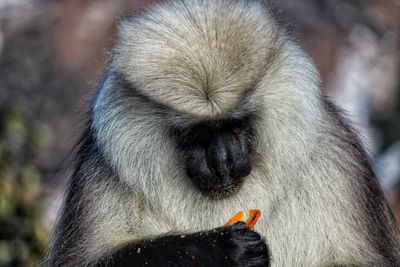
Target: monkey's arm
x=225 y=246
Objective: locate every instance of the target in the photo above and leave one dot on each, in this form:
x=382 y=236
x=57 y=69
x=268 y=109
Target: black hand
x=225 y=246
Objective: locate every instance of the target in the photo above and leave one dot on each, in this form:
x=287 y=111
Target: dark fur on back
x=381 y=227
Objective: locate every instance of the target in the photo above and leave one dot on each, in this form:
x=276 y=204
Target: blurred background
x=52 y=53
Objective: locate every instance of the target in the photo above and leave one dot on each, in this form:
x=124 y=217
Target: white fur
x=196 y=63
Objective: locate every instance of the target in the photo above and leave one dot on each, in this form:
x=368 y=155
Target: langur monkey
x=207 y=108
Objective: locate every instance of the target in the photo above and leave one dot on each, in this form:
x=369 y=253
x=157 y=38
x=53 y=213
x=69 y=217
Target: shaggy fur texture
x=194 y=60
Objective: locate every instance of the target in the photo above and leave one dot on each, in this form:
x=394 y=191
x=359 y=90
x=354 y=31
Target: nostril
x=242 y=168
x=240 y=158
x=197 y=167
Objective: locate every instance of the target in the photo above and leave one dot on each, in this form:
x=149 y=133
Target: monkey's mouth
x=220 y=192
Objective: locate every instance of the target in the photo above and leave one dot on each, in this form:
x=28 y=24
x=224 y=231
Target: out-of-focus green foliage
x=23 y=238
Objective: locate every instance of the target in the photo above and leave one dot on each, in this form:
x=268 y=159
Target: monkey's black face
x=217 y=154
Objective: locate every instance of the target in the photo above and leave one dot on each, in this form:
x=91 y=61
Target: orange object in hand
x=238 y=217
x=251 y=221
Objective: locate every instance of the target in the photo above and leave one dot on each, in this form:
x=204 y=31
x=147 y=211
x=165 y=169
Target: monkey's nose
x=228 y=157
x=218 y=157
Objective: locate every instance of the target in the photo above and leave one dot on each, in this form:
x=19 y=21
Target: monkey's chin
x=221 y=192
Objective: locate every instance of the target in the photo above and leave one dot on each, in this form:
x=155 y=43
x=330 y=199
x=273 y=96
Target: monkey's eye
x=235 y=140
x=200 y=133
